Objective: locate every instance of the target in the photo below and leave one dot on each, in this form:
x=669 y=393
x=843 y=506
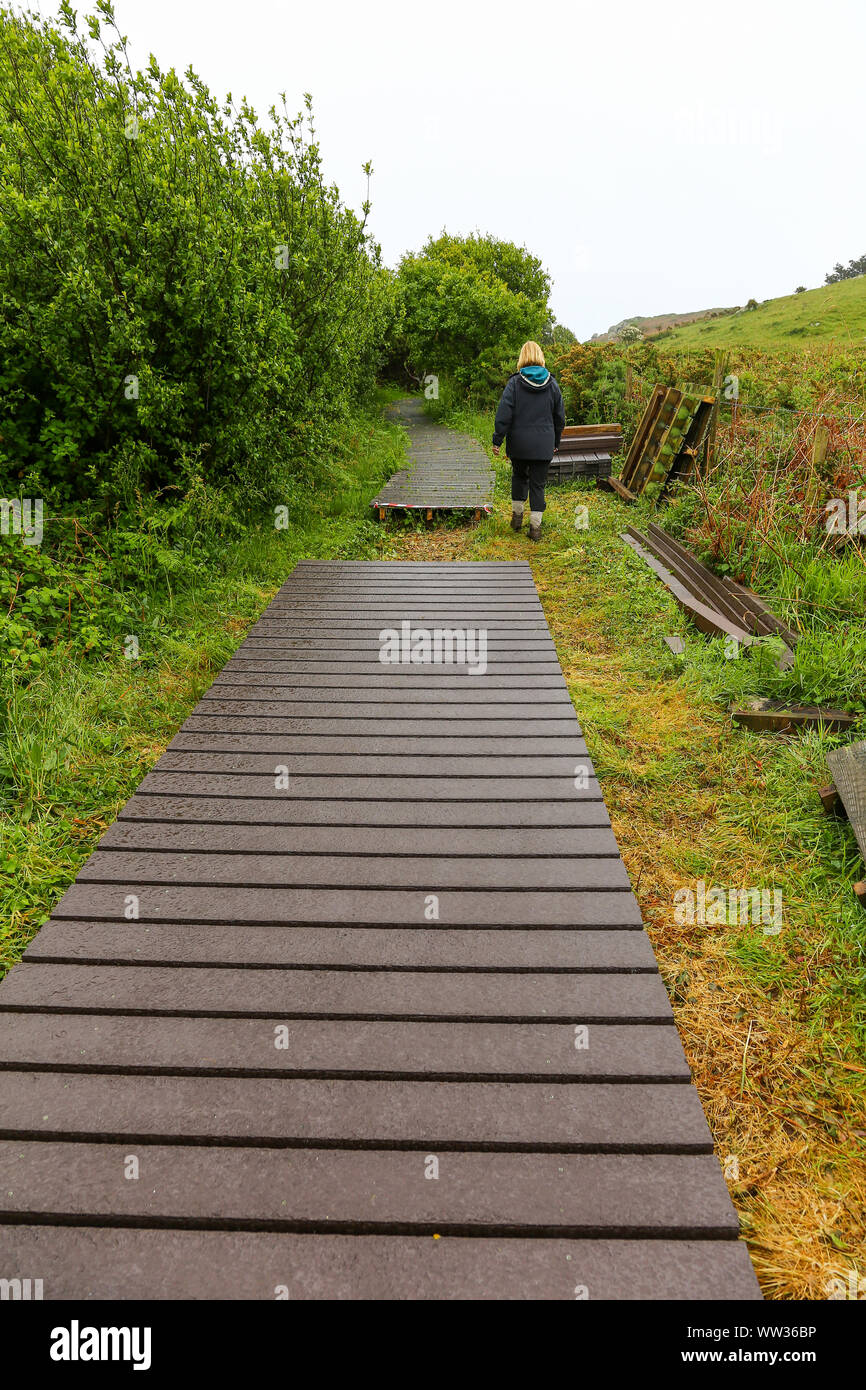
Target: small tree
x=630 y=334
x=801 y=289
x=846 y=272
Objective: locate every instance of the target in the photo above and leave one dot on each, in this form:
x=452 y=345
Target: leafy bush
x=466 y=306
x=846 y=272
x=183 y=298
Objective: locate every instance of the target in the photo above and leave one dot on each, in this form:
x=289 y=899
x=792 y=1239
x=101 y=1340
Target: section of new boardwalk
x=359 y=966
x=447 y=471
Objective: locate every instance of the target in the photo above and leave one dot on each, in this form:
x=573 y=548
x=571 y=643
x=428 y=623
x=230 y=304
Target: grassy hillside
x=831 y=314
x=655 y=323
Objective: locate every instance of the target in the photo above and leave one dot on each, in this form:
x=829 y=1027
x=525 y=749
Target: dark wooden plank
x=496 y=995
x=392 y=612
x=411 y=568
x=225 y=735
x=473 y=588
x=94 y=1263
x=364 y=635
x=212 y=809
x=775 y=715
x=442 y=712
x=402 y=841
x=399 y=682
x=848 y=766
x=464 y=694
x=371 y=788
x=332 y=870
x=375 y=619
x=284 y=1189
x=279 y=664
x=349 y=870
x=342 y=947
x=338 y=643
x=586 y=1117
x=483 y=731
x=505 y=631
x=400 y=907
x=376 y=765
x=156 y=1045
x=358 y=674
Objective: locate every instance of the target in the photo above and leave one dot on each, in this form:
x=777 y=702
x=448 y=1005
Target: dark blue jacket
x=530 y=418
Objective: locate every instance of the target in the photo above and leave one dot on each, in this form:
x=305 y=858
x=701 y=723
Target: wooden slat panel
x=523 y=1033
x=380 y=765
x=225 y=735
x=261 y=784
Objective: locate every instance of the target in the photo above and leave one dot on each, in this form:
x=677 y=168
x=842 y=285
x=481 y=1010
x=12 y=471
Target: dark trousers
x=529 y=476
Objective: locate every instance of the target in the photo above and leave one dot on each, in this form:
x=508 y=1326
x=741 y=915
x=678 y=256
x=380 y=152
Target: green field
x=832 y=314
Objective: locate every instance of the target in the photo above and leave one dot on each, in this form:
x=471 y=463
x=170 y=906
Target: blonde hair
x=530 y=356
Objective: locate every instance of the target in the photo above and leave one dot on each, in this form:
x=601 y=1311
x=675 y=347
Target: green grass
x=832 y=315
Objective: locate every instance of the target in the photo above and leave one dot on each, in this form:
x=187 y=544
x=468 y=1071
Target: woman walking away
x=530 y=418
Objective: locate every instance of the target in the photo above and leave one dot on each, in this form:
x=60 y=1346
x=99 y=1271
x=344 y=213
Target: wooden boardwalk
x=354 y=1000
x=447 y=471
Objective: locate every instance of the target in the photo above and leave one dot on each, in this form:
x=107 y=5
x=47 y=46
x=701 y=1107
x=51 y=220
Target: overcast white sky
x=657 y=156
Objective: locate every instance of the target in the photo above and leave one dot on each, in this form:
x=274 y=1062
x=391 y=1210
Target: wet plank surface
x=446 y=471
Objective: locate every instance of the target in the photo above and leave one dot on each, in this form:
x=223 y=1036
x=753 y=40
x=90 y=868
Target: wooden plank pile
x=585 y=451
x=666 y=443
x=722 y=608
x=717 y=606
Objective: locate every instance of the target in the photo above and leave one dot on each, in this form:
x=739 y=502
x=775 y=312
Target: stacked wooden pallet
x=585 y=450
x=666 y=442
